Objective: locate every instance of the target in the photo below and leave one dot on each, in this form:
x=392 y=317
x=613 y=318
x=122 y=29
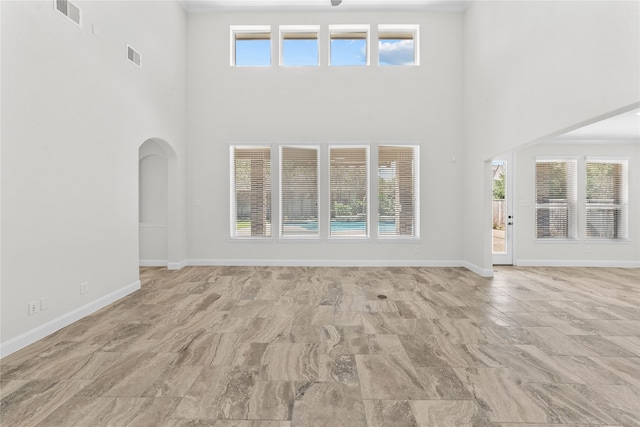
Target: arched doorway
x=157 y=203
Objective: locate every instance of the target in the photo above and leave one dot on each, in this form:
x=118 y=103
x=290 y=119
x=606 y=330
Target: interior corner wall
x=323 y=105
x=74 y=113
x=533 y=69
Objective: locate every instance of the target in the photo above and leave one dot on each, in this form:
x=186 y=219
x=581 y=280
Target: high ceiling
x=621 y=127
x=195 y=6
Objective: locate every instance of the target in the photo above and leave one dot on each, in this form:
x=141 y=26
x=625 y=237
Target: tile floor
x=280 y=347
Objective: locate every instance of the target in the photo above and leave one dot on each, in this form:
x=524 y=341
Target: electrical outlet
x=416 y=249
x=33 y=307
x=84 y=287
x=44 y=304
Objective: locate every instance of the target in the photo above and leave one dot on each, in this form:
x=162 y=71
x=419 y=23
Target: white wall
x=532 y=69
x=321 y=105
x=579 y=252
x=75 y=112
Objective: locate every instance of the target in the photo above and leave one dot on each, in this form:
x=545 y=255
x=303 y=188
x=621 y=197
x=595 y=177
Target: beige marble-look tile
x=175 y=381
x=447 y=413
x=626 y=368
x=443 y=383
x=77 y=411
x=131 y=378
x=343 y=340
x=502 y=395
x=602 y=346
x=205 y=349
x=563 y=404
x=631 y=344
x=533 y=365
x=588 y=370
x=291 y=362
x=337 y=368
x=271 y=400
x=388 y=377
x=425 y=352
x=328 y=403
x=383 y=413
x=9 y=386
x=388 y=323
x=621 y=402
x=137 y=411
x=268 y=330
x=220 y=392
x=35 y=400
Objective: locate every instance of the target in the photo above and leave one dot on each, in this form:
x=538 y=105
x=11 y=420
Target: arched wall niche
x=157 y=203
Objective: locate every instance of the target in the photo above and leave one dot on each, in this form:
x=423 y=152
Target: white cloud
x=396 y=52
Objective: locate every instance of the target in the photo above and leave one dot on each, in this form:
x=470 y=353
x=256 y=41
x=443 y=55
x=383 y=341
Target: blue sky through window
x=300 y=52
x=253 y=52
x=396 y=52
x=348 y=52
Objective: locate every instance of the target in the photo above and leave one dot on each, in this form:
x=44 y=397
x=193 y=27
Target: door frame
x=506 y=258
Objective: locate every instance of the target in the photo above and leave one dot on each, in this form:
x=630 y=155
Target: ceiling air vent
x=133 y=56
x=69 y=10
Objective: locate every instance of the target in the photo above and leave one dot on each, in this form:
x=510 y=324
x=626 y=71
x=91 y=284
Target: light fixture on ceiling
x=335 y=2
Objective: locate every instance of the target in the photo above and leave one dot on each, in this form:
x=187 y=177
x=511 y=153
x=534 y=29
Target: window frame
x=367 y=206
x=298 y=29
x=233 y=230
x=571 y=203
x=622 y=230
x=281 y=198
x=416 y=202
x=234 y=30
x=414 y=29
x=346 y=29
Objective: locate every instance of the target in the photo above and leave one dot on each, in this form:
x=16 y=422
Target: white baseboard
x=153 y=263
x=483 y=272
x=576 y=263
x=177 y=265
x=23 y=340
x=322 y=263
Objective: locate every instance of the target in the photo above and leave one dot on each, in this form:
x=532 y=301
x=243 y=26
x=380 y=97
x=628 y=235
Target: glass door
x=502 y=212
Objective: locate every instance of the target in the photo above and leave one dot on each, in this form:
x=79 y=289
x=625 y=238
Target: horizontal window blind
x=299 y=191
x=266 y=35
x=555 y=199
x=250 y=191
x=606 y=199
x=398 y=191
x=349 y=184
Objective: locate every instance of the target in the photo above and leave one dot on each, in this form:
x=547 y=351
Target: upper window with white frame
x=556 y=184
x=299 y=45
x=349 y=191
x=349 y=45
x=606 y=199
x=251 y=46
x=398 y=191
x=398 y=45
x=250 y=191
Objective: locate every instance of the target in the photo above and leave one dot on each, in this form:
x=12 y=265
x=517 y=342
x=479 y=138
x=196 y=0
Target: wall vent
x=68 y=9
x=134 y=56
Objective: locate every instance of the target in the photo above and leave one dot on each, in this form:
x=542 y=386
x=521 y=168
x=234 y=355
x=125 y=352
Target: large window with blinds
x=251 y=46
x=349 y=45
x=556 y=199
x=250 y=191
x=299 y=191
x=349 y=191
x=606 y=199
x=398 y=191
x=397 y=45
